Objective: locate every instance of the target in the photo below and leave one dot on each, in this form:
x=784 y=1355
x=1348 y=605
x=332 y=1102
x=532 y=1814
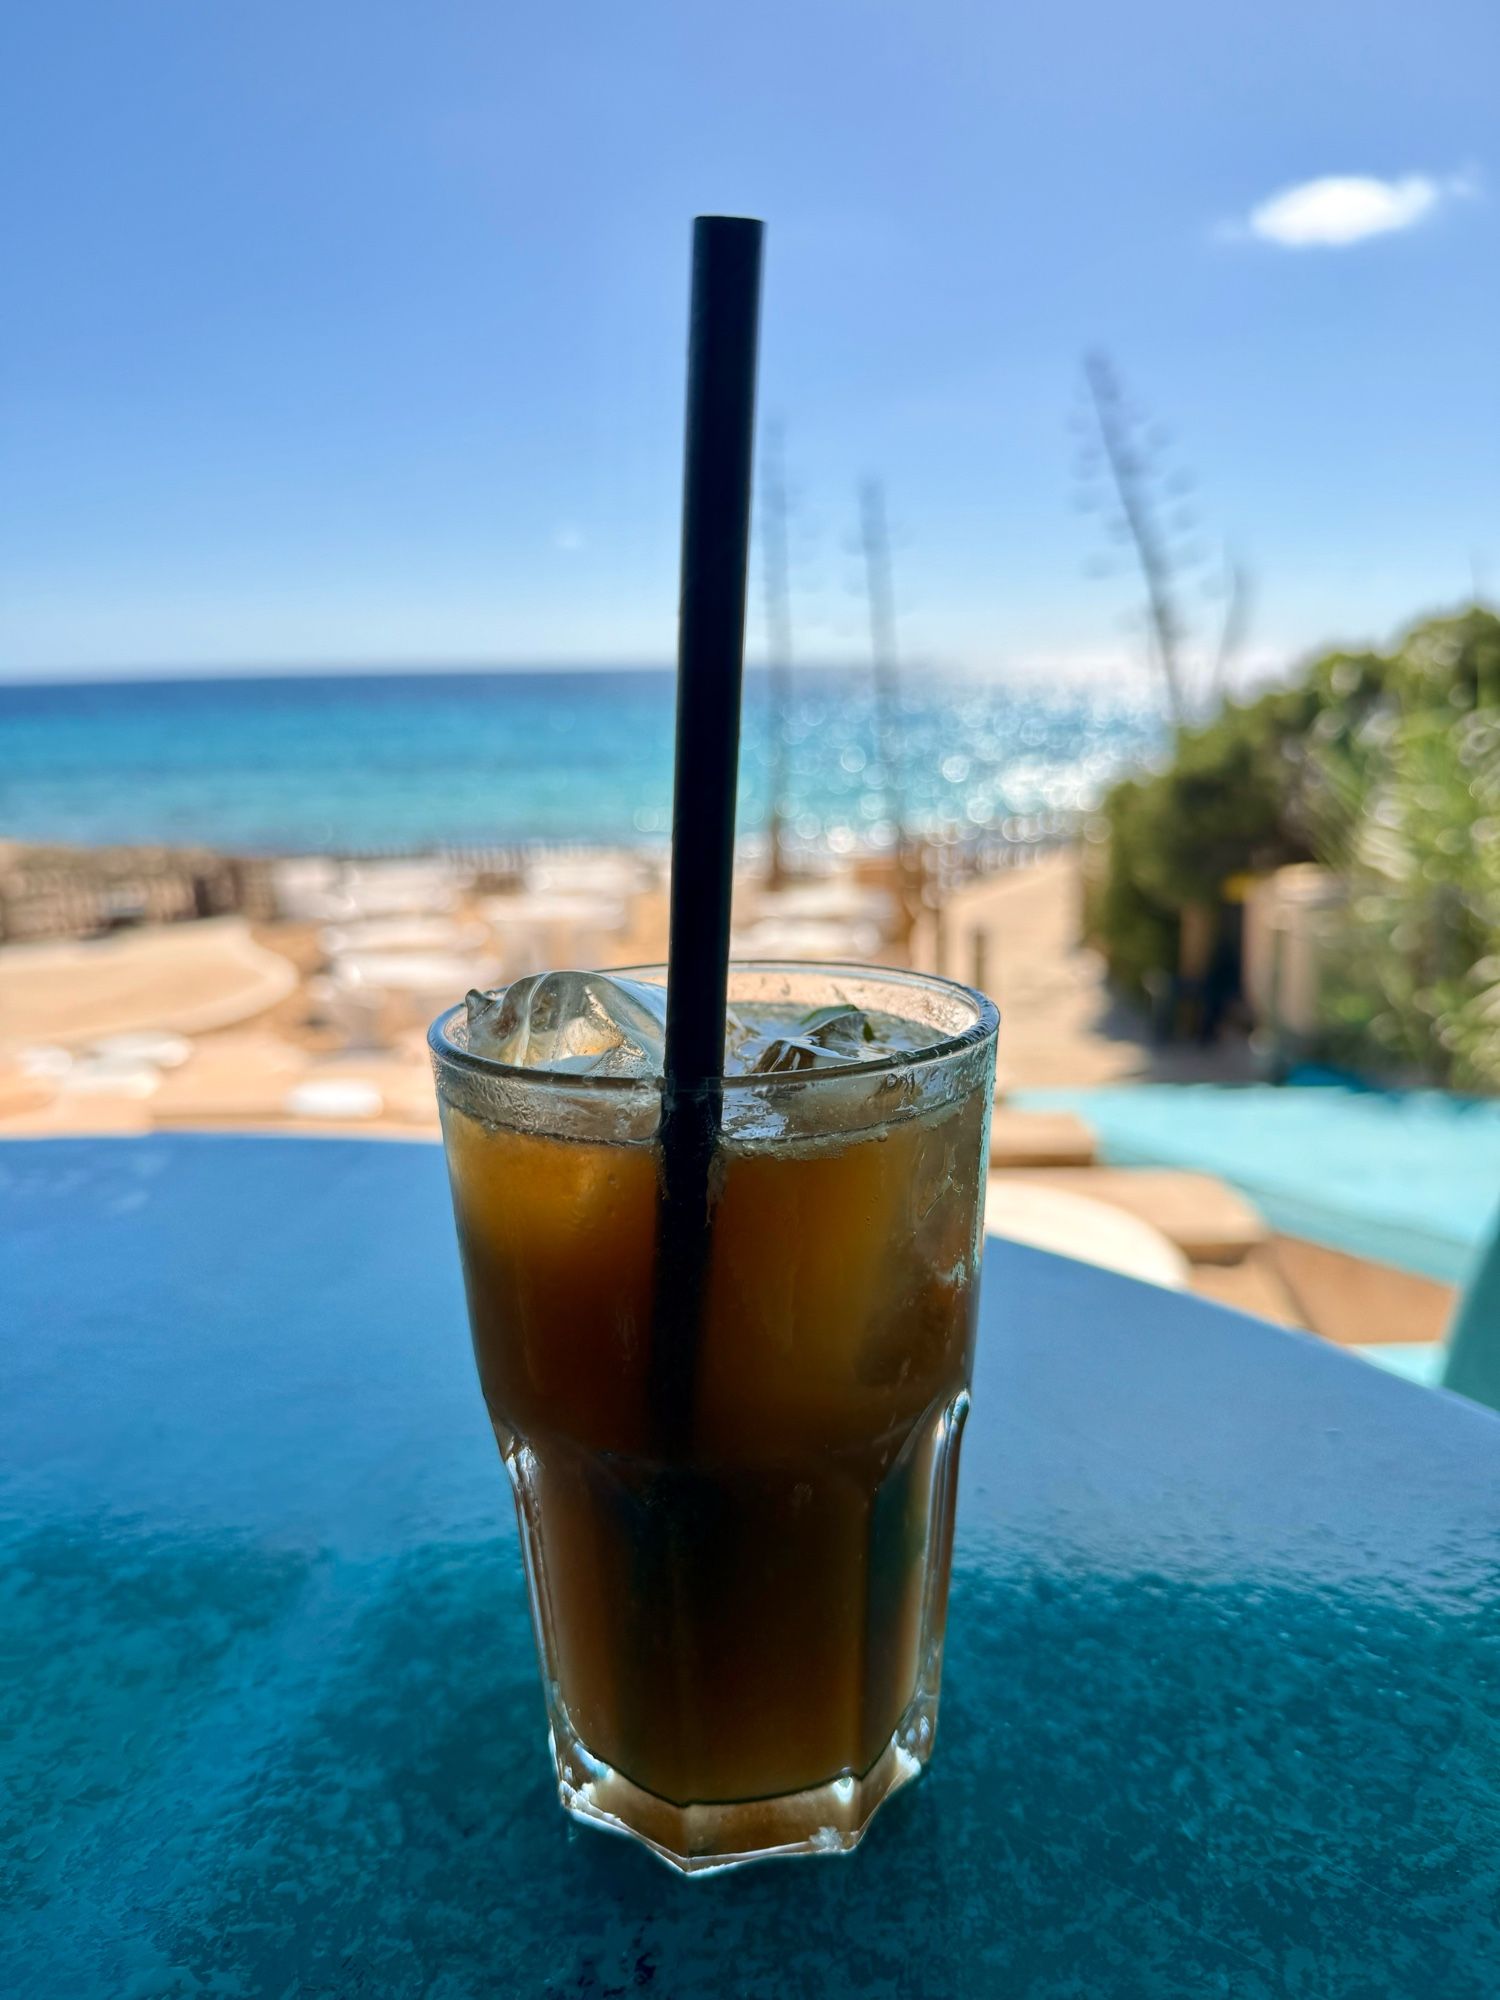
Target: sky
x=354 y=334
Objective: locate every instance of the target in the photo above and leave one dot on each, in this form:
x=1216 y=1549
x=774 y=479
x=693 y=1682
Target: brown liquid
x=755 y=1618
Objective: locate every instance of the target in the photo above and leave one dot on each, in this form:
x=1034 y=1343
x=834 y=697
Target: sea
x=390 y=762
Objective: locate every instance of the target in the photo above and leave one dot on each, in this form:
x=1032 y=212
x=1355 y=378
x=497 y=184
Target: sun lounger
x=1208 y=1221
x=1075 y=1225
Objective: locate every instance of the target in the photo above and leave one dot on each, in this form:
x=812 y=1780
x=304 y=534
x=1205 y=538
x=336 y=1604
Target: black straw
x=722 y=344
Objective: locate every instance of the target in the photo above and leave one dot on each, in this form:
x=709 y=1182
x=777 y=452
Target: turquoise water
x=407 y=760
x=1410 y=1178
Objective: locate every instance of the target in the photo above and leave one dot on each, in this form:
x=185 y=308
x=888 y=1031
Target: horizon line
x=143 y=672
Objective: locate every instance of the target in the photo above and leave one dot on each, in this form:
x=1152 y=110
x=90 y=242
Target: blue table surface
x=1221 y=1712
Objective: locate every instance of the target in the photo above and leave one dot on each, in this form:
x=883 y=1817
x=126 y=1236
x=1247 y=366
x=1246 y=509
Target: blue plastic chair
x=1473 y=1353
x=1469 y=1361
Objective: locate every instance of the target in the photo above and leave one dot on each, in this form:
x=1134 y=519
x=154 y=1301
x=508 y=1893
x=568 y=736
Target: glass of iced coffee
x=740 y=1615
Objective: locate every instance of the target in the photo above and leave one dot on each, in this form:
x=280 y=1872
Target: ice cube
x=821 y=1040
x=581 y=1023
x=845 y=1031
x=780 y=1053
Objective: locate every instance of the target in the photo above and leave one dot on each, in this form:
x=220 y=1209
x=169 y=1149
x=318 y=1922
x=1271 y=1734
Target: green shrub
x=1385 y=768
x=1175 y=838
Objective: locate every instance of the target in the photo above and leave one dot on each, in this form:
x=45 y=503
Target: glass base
x=701 y=1839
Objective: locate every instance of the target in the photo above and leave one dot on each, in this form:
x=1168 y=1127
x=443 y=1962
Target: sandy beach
x=288 y=1022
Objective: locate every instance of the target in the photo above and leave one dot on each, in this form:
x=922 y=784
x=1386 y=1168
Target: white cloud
x=569 y=539
x=1341 y=209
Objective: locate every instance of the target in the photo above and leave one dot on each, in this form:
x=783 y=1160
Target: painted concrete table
x=1222 y=1706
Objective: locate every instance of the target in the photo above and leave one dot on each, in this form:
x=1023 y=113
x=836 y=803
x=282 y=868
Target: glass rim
x=985 y=1024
